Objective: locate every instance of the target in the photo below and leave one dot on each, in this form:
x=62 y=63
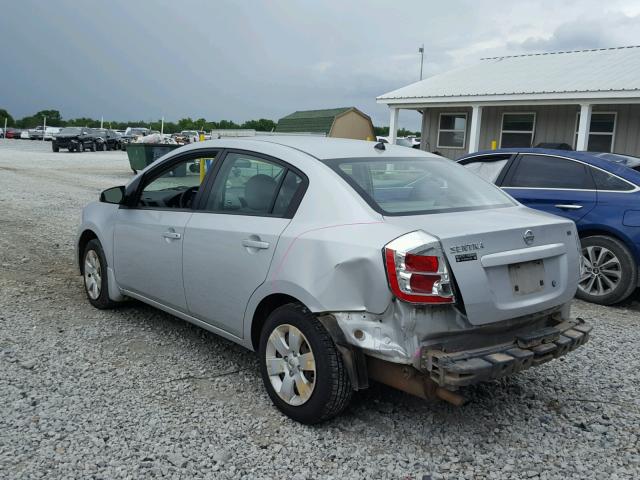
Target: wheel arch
x=590 y=231
x=85 y=237
x=267 y=305
x=266 y=298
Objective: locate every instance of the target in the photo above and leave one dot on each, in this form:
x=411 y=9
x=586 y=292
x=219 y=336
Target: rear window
x=626 y=160
x=410 y=186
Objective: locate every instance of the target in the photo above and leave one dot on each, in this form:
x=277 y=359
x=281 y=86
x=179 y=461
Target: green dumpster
x=143 y=154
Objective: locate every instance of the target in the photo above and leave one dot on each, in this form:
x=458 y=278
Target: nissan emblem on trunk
x=528 y=237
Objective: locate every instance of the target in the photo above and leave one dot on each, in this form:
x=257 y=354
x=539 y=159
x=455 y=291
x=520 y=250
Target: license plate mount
x=527 y=277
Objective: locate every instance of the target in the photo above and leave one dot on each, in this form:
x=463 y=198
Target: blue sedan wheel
x=607 y=271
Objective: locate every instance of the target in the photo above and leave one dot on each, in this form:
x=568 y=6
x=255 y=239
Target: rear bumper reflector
x=458 y=369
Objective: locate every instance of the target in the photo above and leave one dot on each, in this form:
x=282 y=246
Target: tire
x=330 y=386
x=615 y=282
x=54 y=147
x=80 y=147
x=94 y=273
x=93 y=147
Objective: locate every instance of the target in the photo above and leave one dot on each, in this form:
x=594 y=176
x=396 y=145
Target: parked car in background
x=1 y=132
x=107 y=139
x=13 y=133
x=186 y=136
x=600 y=192
x=25 y=135
x=36 y=133
x=51 y=132
x=412 y=271
x=75 y=139
x=403 y=142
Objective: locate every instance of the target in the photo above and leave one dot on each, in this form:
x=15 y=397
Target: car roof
x=322 y=148
x=597 y=159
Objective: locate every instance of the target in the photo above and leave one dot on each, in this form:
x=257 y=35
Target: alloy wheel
x=291 y=365
x=600 y=271
x=92 y=274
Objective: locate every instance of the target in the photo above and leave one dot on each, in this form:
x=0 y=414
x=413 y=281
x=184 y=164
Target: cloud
x=242 y=60
x=614 y=29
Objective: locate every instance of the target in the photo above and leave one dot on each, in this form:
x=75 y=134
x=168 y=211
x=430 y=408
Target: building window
x=517 y=129
x=452 y=130
x=601 y=132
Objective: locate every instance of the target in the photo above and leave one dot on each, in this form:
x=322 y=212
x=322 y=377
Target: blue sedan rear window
x=410 y=186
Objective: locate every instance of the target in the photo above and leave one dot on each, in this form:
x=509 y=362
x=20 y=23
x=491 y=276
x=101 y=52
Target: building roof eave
x=560 y=98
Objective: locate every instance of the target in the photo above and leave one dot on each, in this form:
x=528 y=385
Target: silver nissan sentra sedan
x=339 y=262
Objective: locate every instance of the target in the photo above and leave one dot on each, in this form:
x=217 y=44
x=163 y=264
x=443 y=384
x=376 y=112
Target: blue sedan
x=600 y=192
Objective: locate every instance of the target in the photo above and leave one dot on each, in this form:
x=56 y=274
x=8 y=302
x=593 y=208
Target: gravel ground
x=134 y=392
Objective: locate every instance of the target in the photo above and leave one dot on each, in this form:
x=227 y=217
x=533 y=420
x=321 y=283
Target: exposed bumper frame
x=457 y=369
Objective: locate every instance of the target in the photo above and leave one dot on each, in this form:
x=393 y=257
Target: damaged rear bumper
x=457 y=369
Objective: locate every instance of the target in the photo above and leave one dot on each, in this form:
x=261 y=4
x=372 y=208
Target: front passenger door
x=229 y=245
x=149 y=235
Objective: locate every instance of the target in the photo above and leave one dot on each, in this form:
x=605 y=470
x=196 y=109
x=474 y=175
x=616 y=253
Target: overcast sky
x=241 y=60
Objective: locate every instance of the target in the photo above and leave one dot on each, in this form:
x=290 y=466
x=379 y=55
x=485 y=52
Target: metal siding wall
x=554 y=124
x=627 y=134
x=430 y=126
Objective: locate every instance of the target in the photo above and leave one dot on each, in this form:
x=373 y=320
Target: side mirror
x=113 y=195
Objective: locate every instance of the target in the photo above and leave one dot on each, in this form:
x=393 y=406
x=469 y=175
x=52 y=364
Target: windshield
x=406 y=186
x=71 y=130
x=626 y=160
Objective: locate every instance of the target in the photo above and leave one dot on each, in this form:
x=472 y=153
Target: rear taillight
x=417 y=270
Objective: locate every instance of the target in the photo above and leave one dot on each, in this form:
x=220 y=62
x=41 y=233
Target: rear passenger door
x=229 y=244
x=557 y=185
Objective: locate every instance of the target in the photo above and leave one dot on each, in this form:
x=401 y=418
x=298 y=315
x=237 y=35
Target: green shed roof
x=310 y=121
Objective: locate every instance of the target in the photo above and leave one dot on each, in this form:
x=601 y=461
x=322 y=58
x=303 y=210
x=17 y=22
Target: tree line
x=54 y=119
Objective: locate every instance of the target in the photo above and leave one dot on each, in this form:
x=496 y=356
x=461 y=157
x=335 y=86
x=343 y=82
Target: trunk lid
x=507 y=262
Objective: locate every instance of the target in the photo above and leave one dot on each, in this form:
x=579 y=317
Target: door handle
x=569 y=207
x=247 y=242
x=172 y=235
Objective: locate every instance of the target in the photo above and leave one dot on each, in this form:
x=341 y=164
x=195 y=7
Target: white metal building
x=587 y=99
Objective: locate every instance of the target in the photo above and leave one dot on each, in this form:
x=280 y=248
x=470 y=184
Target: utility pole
x=44 y=128
x=4 y=132
x=421 y=52
x=101 y=121
x=162 y=127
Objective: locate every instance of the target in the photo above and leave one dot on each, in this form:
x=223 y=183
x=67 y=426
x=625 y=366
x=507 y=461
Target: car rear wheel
x=301 y=368
x=80 y=147
x=94 y=272
x=54 y=147
x=608 y=271
x=92 y=147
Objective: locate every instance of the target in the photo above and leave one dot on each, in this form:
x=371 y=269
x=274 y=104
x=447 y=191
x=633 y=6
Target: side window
x=288 y=190
x=537 y=171
x=176 y=188
x=250 y=185
x=488 y=168
x=607 y=181
x=517 y=129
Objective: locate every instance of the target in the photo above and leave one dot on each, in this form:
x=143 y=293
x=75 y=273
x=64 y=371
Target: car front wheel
x=608 y=271
x=94 y=272
x=301 y=368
